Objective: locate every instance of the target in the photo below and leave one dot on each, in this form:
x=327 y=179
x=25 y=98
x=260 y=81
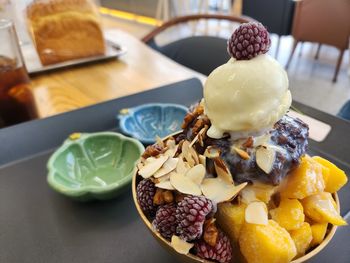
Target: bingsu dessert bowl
x=236 y=184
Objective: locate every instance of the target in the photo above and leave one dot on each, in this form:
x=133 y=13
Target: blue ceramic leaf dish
x=93 y=165
x=147 y=121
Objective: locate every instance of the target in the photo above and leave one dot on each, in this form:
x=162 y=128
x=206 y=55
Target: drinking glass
x=17 y=102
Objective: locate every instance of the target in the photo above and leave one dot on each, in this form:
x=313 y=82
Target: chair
x=200 y=53
x=345 y=111
x=324 y=22
x=276 y=15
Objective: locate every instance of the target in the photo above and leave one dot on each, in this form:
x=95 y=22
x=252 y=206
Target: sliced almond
x=182 y=167
x=196 y=173
x=150 y=159
x=167 y=167
x=212 y=152
x=170 y=143
x=248 y=195
x=165 y=185
x=219 y=190
x=186 y=153
x=159 y=141
x=243 y=154
x=151 y=167
x=197 y=137
x=139 y=165
x=180 y=245
x=202 y=160
x=202 y=135
x=184 y=184
x=261 y=140
x=164 y=178
x=189 y=153
x=256 y=213
x=222 y=170
x=194 y=155
x=171 y=151
x=265 y=158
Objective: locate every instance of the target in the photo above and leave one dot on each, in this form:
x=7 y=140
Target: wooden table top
x=140 y=69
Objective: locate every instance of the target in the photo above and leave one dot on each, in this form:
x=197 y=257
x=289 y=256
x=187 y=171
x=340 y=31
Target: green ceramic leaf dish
x=93 y=165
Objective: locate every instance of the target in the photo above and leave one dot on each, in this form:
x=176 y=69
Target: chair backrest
x=149 y=38
x=275 y=15
x=323 y=21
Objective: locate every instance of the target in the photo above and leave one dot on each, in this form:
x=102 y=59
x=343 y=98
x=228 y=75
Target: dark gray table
x=38 y=225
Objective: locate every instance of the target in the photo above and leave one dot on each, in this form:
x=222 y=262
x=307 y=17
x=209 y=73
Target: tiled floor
x=310 y=79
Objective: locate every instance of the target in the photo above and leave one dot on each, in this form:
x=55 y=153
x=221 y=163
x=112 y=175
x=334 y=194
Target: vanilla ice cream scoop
x=246 y=96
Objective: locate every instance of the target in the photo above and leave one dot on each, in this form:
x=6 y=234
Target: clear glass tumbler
x=17 y=102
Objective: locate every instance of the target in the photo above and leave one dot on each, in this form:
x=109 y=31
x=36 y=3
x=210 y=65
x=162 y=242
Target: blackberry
x=248 y=41
x=145 y=193
x=191 y=213
x=165 y=221
x=220 y=252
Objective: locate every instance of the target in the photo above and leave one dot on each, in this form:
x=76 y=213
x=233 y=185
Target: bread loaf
x=65 y=29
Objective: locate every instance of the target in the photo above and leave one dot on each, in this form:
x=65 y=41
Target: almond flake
x=212 y=152
x=159 y=141
x=151 y=167
x=165 y=185
x=265 y=158
x=243 y=154
x=186 y=153
x=196 y=173
x=194 y=155
x=248 y=195
x=180 y=245
x=222 y=170
x=171 y=151
x=170 y=143
x=202 y=135
x=150 y=159
x=197 y=137
x=256 y=213
x=202 y=160
x=182 y=167
x=139 y=165
x=184 y=185
x=219 y=190
x=163 y=178
x=167 y=167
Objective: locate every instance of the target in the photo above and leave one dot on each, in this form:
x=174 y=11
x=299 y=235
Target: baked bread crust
x=65 y=29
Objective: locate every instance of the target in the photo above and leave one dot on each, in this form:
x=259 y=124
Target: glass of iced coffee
x=16 y=99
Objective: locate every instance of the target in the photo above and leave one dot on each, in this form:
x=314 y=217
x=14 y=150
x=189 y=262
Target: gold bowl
x=190 y=258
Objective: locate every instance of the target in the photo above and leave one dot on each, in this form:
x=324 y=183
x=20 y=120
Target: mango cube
x=302 y=238
x=318 y=233
x=322 y=208
x=335 y=179
x=289 y=214
x=257 y=192
x=305 y=180
x=266 y=243
x=231 y=217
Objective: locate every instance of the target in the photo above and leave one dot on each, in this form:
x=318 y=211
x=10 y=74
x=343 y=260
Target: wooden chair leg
x=318 y=51
x=295 y=43
x=340 y=58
